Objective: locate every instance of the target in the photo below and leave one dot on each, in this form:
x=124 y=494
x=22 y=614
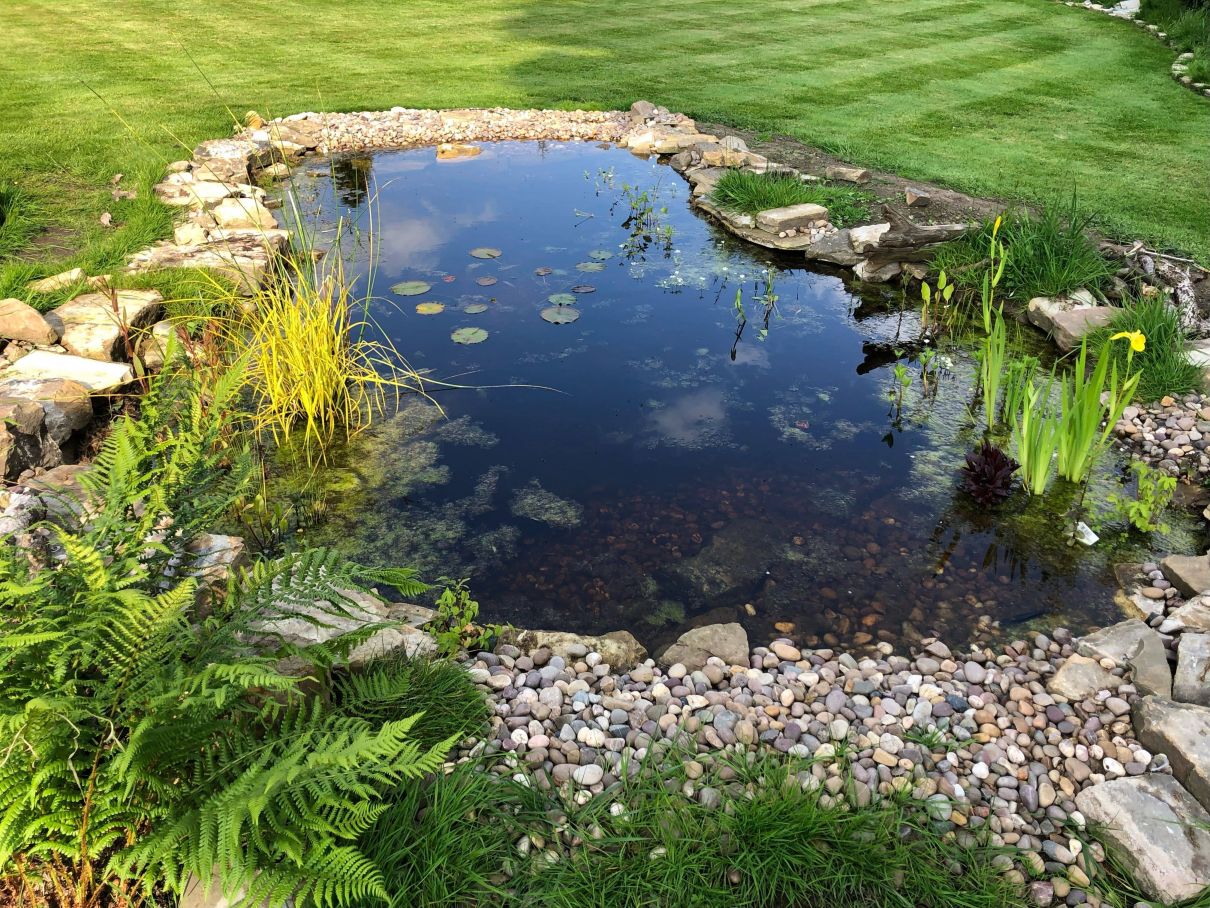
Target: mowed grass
x=1022 y=99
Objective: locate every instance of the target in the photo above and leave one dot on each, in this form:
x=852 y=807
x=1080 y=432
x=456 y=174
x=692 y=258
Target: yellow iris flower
x=1138 y=341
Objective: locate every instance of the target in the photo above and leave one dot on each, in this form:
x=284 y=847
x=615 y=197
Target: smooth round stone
x=588 y=775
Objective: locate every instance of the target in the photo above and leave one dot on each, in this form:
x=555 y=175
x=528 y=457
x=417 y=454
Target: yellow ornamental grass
x=309 y=362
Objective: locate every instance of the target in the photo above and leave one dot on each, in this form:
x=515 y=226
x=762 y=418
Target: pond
x=656 y=424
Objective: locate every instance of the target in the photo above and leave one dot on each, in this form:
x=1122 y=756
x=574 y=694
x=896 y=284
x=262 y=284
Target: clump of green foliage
x=148 y=740
x=1052 y=253
x=17 y=218
x=1163 y=365
x=454 y=627
x=773 y=841
x=1153 y=493
x=747 y=192
x=1187 y=24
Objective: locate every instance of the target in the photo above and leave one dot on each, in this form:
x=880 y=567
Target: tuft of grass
x=777 y=839
x=745 y=192
x=1049 y=254
x=19 y=218
x=1162 y=366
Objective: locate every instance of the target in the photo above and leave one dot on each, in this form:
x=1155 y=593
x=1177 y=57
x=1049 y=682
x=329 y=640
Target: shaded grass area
x=771 y=842
x=994 y=98
x=751 y=193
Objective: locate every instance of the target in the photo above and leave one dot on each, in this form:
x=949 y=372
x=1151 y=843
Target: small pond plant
x=988 y=475
x=1144 y=511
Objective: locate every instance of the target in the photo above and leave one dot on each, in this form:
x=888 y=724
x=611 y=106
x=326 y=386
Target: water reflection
x=704 y=457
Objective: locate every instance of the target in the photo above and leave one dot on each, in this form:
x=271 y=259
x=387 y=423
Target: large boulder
x=67 y=405
x=728 y=642
x=1135 y=645
x=1072 y=326
x=22 y=322
x=1154 y=828
x=619 y=649
x=1194 y=615
x=1190 y=574
x=99 y=325
x=1080 y=678
x=1181 y=731
x=1192 y=666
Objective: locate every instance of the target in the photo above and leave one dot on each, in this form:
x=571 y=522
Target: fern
x=141 y=745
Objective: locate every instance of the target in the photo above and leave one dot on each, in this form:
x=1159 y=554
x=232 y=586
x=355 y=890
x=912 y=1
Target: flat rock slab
x=22 y=322
x=1190 y=574
x=1194 y=615
x=1181 y=731
x=791 y=217
x=1192 y=666
x=1156 y=829
x=1070 y=327
x=97 y=325
x=1080 y=678
x=1132 y=643
x=728 y=642
x=98 y=377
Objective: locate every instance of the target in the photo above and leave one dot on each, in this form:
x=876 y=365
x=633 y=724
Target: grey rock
x=1132 y=643
x=1148 y=824
x=1190 y=574
x=728 y=642
x=1192 y=666
x=1080 y=677
x=1194 y=615
x=619 y=649
x=1180 y=731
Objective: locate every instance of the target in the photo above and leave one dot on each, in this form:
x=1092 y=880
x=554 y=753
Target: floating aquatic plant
x=562 y=299
x=411 y=288
x=600 y=255
x=475 y=308
x=988 y=475
x=485 y=281
x=543 y=271
x=559 y=315
x=590 y=266
x=583 y=288
x=468 y=336
x=486 y=252
x=430 y=307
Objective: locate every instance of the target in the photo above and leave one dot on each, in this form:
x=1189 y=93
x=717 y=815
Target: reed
x=1086 y=423
x=1035 y=435
x=991 y=367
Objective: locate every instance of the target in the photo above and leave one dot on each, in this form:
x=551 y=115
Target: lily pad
x=600 y=255
x=583 y=288
x=485 y=281
x=430 y=308
x=559 y=315
x=562 y=299
x=475 y=308
x=486 y=252
x=543 y=271
x=411 y=288
x=590 y=266
x=468 y=336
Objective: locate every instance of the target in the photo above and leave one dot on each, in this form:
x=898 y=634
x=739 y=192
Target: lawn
x=1013 y=98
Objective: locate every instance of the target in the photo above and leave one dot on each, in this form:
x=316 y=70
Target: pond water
x=664 y=458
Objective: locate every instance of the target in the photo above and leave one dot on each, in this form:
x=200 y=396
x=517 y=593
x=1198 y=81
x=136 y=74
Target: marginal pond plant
x=1086 y=423
x=1153 y=493
x=1163 y=366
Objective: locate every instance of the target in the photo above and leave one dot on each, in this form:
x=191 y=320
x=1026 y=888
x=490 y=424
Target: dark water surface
x=679 y=468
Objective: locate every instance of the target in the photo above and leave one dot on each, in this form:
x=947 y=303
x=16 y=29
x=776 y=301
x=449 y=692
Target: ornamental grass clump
x=746 y=192
x=313 y=359
x=1163 y=366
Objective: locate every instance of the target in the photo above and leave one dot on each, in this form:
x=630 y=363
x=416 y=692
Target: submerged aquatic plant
x=988 y=475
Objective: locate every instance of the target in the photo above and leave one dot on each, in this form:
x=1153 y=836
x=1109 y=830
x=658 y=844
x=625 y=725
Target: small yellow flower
x=1138 y=341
